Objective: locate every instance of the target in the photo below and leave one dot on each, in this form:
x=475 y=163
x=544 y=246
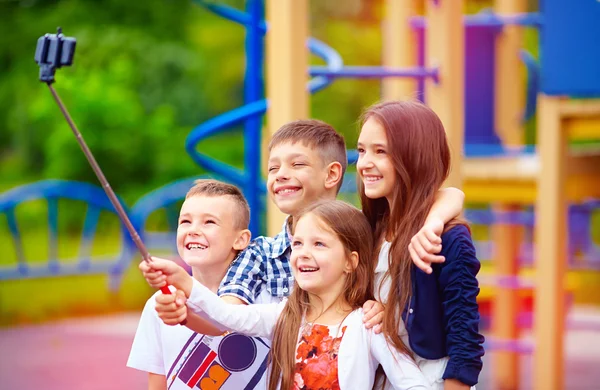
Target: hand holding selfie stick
x=52 y=52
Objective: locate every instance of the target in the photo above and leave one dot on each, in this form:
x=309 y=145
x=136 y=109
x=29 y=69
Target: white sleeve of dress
x=256 y=320
x=401 y=371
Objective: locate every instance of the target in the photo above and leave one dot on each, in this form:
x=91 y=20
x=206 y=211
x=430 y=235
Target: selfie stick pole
x=105 y=185
x=50 y=55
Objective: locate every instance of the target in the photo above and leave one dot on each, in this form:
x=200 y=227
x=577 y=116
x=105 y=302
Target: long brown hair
x=353 y=230
x=420 y=155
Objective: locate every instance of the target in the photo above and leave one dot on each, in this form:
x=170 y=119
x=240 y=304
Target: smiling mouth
x=195 y=246
x=286 y=191
x=372 y=179
x=308 y=269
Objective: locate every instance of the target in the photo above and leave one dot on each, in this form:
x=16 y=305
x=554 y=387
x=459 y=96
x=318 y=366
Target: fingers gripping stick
x=52 y=52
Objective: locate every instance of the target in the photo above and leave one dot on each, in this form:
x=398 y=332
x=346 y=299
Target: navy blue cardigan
x=448 y=297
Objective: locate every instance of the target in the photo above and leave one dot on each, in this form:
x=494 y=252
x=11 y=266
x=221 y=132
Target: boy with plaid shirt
x=307 y=162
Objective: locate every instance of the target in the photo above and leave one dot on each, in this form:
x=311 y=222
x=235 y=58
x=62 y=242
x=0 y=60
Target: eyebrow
x=382 y=145
x=296 y=155
x=290 y=157
x=188 y=215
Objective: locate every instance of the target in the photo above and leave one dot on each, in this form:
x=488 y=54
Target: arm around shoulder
x=449 y=203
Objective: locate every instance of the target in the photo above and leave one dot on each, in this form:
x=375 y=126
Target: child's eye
x=210 y=221
x=298 y=164
x=271 y=169
x=319 y=243
x=360 y=150
x=182 y=221
x=380 y=151
x=296 y=243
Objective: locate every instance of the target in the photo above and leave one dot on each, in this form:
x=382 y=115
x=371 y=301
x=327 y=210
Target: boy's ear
x=352 y=262
x=242 y=240
x=334 y=175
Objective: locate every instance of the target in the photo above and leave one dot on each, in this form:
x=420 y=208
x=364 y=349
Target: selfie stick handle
x=105 y=185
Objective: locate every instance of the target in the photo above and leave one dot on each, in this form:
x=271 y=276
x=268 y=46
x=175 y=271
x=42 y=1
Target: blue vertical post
x=253 y=91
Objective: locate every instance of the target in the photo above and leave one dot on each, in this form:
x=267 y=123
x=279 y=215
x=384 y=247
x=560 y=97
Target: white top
x=360 y=352
x=432 y=369
x=186 y=358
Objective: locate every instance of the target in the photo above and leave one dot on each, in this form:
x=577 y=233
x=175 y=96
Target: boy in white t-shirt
x=212 y=230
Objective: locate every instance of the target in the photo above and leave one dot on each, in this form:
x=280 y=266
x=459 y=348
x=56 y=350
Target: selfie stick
x=52 y=52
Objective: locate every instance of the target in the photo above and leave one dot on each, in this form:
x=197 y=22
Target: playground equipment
x=466 y=68
x=437 y=64
x=52 y=191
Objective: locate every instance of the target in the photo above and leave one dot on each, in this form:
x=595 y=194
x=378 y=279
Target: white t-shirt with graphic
x=193 y=361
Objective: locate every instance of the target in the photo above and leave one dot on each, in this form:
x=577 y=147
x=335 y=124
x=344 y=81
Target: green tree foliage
x=145 y=73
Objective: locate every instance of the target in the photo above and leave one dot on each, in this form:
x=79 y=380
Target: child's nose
x=282 y=173
x=194 y=230
x=302 y=252
x=364 y=161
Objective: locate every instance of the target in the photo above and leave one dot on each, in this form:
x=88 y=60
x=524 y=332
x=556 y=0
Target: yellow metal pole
x=445 y=50
x=287 y=74
x=550 y=252
x=399 y=48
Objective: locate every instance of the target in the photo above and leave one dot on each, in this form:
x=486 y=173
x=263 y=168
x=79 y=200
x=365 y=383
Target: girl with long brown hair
x=319 y=341
x=404 y=159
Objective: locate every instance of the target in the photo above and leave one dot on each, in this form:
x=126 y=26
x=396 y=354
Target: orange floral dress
x=317 y=358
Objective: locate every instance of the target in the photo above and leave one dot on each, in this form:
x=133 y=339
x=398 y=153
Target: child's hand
x=373 y=315
x=171 y=308
x=426 y=243
x=160 y=272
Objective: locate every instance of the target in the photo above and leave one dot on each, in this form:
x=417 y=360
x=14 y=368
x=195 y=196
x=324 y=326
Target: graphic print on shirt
x=231 y=362
x=317 y=358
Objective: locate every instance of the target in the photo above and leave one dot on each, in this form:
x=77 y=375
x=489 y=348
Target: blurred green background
x=145 y=74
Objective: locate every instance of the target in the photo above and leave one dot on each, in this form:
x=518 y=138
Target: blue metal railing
x=254 y=107
x=52 y=190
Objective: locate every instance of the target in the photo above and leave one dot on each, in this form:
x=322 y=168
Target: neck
x=328 y=308
x=212 y=275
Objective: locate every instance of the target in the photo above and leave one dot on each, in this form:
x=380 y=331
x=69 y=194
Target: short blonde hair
x=212 y=188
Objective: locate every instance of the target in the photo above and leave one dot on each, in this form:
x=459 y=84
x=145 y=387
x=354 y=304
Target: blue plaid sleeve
x=245 y=276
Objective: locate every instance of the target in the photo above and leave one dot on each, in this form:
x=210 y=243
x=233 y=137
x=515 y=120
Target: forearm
x=156 y=382
x=252 y=320
x=448 y=204
x=201 y=325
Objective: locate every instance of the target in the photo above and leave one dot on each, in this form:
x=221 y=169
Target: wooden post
x=445 y=49
x=509 y=108
x=399 y=48
x=550 y=250
x=507 y=239
x=509 y=84
x=287 y=75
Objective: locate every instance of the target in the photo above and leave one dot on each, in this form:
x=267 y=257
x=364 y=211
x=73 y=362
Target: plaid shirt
x=265 y=261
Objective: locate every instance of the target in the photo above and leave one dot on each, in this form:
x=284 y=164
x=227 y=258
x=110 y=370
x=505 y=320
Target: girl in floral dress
x=319 y=341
